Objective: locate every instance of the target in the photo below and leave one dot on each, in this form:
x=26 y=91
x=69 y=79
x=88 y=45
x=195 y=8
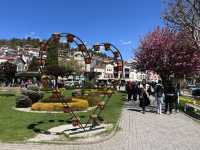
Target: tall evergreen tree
x=52 y=54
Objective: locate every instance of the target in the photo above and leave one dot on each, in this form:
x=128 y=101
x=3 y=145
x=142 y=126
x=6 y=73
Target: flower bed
x=76 y=104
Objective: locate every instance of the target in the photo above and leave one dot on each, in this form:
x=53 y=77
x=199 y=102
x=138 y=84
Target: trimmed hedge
x=23 y=102
x=33 y=95
x=33 y=88
x=65 y=99
x=76 y=104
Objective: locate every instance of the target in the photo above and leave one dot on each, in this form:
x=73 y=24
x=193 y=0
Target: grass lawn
x=14 y=124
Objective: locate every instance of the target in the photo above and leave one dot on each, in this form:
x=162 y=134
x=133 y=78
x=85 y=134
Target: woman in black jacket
x=144 y=100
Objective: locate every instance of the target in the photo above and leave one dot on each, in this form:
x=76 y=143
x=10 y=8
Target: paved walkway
x=138 y=132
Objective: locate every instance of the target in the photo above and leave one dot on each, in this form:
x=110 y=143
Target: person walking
x=135 y=91
x=170 y=93
x=149 y=90
x=159 y=95
x=143 y=98
x=129 y=88
x=176 y=97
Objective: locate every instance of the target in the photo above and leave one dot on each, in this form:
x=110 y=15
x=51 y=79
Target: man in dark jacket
x=170 y=93
x=129 y=88
x=135 y=91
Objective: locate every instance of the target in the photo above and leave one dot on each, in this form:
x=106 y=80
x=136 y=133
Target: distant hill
x=15 y=42
x=35 y=43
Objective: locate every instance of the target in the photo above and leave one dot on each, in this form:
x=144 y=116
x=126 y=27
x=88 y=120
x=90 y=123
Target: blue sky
x=121 y=22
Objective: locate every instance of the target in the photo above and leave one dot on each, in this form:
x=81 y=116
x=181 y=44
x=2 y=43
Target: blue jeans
x=159 y=104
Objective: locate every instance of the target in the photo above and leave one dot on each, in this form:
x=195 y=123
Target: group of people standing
x=168 y=95
x=137 y=89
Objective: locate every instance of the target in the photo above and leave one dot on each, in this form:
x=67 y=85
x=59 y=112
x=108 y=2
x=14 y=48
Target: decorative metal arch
x=71 y=38
x=118 y=59
x=55 y=38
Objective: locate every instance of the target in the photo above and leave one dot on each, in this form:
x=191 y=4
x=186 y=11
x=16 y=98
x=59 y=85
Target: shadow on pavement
x=134 y=106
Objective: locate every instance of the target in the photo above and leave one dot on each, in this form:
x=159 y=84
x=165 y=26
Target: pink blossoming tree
x=167 y=53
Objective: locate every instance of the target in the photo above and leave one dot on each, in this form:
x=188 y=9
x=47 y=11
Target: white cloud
x=122 y=42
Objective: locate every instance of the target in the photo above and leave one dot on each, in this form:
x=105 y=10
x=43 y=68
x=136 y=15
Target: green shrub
x=33 y=88
x=77 y=93
x=23 y=102
x=92 y=99
x=65 y=99
x=33 y=95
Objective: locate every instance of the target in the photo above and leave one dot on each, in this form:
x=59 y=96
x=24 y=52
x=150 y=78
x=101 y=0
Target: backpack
x=159 y=91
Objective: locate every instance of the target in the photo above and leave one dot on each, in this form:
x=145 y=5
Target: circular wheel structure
x=117 y=57
x=68 y=39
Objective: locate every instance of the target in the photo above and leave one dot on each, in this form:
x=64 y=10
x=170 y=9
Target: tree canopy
x=56 y=71
x=52 y=53
x=34 y=66
x=184 y=15
x=167 y=52
x=9 y=70
x=14 y=42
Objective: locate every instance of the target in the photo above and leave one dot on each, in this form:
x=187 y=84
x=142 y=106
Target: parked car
x=191 y=86
x=70 y=83
x=196 y=93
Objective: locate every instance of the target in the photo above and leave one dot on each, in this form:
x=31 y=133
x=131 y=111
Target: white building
x=131 y=73
x=109 y=71
x=80 y=59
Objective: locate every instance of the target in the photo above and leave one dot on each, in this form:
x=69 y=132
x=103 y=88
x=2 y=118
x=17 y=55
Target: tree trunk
x=165 y=79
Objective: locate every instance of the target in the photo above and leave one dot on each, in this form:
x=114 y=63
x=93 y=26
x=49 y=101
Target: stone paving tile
x=137 y=132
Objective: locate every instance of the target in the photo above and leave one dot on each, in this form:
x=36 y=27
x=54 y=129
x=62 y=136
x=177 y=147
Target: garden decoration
x=117 y=59
x=100 y=106
x=94 y=118
x=93 y=122
x=69 y=38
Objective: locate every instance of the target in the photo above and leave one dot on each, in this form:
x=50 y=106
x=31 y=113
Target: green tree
x=9 y=71
x=184 y=15
x=56 y=71
x=52 y=53
x=34 y=66
x=72 y=65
